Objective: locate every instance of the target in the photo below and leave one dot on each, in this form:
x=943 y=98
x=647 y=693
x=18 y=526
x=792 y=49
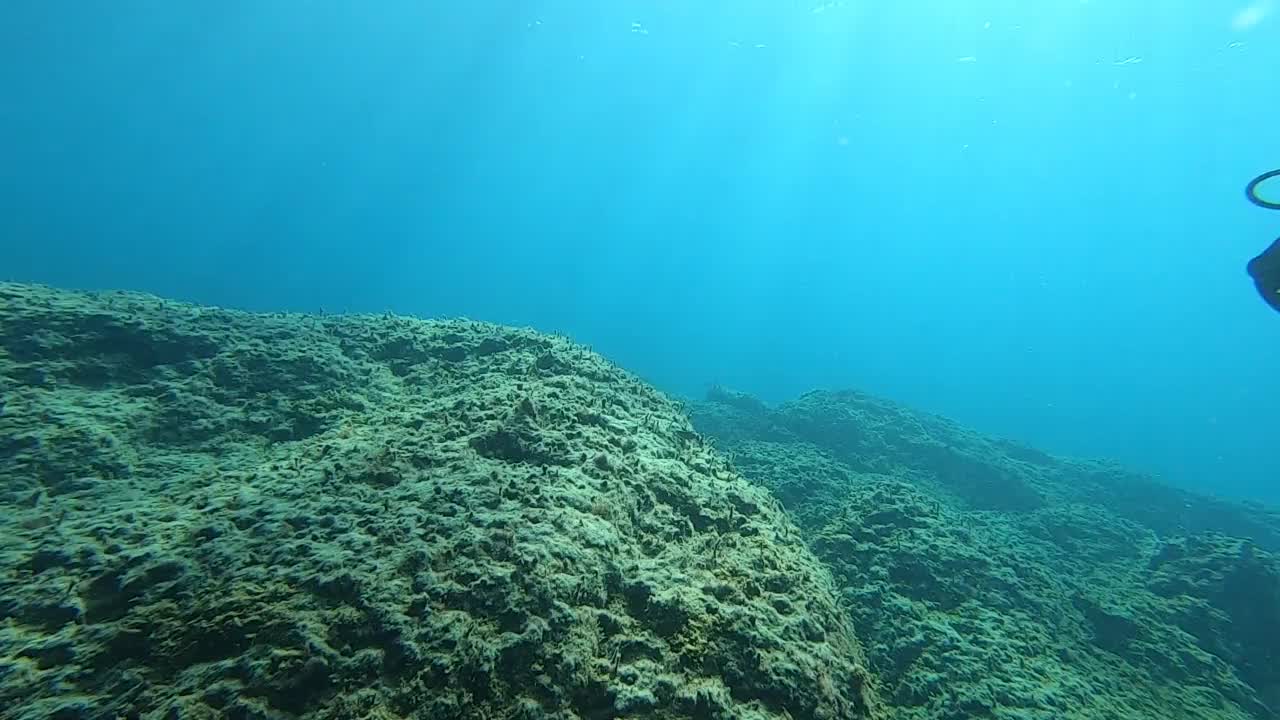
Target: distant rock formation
x=988 y=579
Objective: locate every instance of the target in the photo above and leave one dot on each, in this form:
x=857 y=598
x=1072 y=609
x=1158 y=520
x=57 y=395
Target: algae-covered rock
x=992 y=580
x=1225 y=592
x=207 y=513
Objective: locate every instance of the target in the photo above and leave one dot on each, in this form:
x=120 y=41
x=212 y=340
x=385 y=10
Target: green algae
x=207 y=513
x=988 y=579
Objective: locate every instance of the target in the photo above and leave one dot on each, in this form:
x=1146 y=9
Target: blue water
x=1026 y=216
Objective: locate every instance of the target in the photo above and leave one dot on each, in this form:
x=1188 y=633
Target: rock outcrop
x=989 y=579
x=214 y=514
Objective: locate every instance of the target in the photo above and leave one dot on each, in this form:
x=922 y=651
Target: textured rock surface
x=992 y=580
x=208 y=514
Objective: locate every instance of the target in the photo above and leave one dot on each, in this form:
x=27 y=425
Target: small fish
x=1265 y=271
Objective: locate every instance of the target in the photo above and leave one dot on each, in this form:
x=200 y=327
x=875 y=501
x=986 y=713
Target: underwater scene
x=766 y=360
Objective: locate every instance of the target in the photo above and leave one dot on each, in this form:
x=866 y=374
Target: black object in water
x=1265 y=271
x=1251 y=190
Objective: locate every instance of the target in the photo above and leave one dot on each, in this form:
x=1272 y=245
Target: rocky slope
x=214 y=514
x=992 y=580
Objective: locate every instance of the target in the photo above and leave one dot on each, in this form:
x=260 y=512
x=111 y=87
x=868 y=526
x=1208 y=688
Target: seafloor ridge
x=214 y=514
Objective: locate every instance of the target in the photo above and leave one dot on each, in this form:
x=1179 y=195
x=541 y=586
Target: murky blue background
x=1026 y=216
